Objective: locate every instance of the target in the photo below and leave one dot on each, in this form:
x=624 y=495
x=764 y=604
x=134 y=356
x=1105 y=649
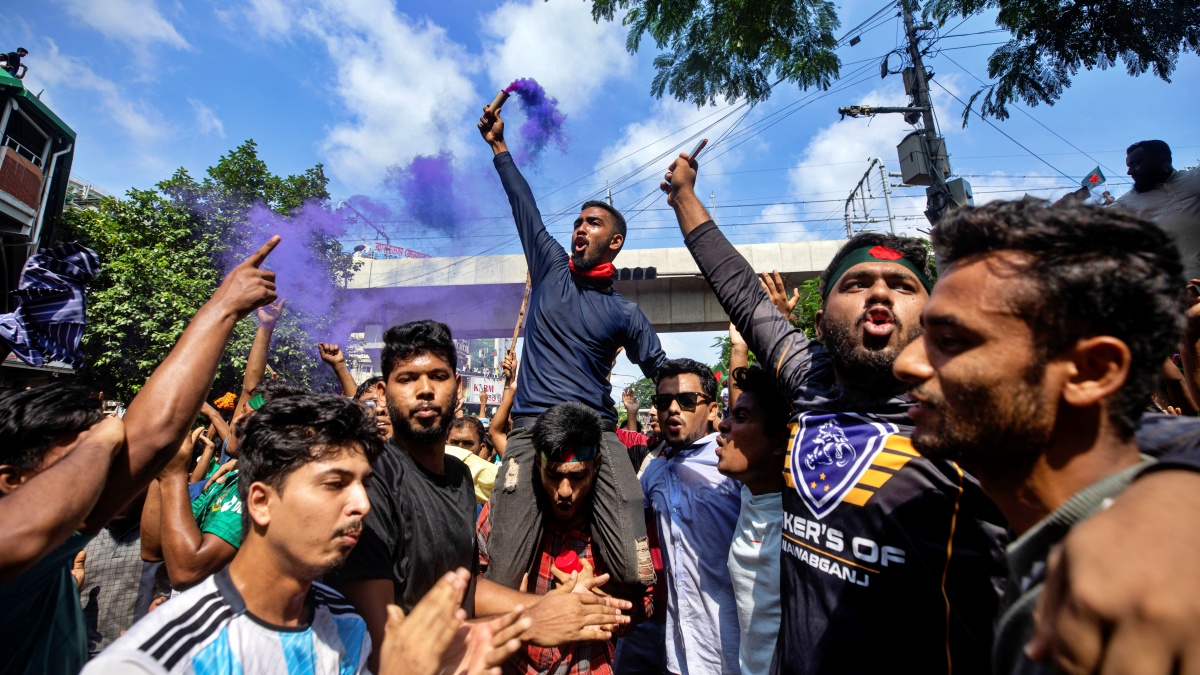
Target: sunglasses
x=688 y=400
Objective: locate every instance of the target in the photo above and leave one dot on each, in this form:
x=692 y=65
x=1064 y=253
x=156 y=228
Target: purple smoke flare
x=544 y=123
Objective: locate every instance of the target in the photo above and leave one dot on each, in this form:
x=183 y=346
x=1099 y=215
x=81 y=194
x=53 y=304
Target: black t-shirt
x=891 y=561
x=421 y=525
x=13 y=60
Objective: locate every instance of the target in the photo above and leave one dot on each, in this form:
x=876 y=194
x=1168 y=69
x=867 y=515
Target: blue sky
x=152 y=85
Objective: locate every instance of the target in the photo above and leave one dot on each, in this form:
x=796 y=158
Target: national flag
x=721 y=372
x=1094 y=179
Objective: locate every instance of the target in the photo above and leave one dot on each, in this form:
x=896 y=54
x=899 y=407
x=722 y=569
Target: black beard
x=404 y=429
x=1145 y=183
x=586 y=261
x=991 y=437
x=867 y=367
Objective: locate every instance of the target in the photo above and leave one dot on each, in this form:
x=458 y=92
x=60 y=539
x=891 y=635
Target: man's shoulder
x=1189 y=179
x=628 y=307
x=332 y=601
x=197 y=614
x=457 y=466
x=391 y=464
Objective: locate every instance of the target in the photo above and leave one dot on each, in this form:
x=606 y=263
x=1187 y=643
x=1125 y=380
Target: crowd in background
x=969 y=469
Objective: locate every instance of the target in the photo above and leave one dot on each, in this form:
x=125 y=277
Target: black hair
x=367 y=386
x=567 y=425
x=757 y=381
x=474 y=423
x=1154 y=148
x=290 y=432
x=22 y=51
x=618 y=219
x=910 y=247
x=273 y=389
x=414 y=338
x=1093 y=272
x=31 y=420
x=675 y=367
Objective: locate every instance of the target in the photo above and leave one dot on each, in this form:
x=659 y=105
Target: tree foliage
x=736 y=48
x=163 y=252
x=643 y=391
x=1053 y=39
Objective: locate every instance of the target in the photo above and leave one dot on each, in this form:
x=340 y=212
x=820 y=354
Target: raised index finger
x=256 y=259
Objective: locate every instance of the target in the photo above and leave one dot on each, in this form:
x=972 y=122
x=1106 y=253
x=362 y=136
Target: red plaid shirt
x=571 y=659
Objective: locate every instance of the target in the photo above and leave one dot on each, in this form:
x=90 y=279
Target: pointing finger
x=256 y=259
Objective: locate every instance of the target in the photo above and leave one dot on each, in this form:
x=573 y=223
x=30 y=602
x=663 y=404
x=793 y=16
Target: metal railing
x=23 y=151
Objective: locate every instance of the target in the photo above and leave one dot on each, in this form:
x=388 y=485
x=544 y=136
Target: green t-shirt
x=41 y=622
x=213 y=465
x=219 y=511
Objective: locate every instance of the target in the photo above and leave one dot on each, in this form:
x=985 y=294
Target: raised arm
x=642 y=346
x=256 y=363
x=498 y=429
x=188 y=554
x=631 y=410
x=217 y=424
x=793 y=359
x=165 y=407
x=43 y=513
x=332 y=355
x=205 y=457
x=541 y=251
x=151 y=529
x=739 y=357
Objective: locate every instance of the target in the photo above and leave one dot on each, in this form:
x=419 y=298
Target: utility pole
x=939 y=198
x=608 y=193
x=925 y=169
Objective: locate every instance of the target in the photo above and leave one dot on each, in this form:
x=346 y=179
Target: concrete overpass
x=480 y=296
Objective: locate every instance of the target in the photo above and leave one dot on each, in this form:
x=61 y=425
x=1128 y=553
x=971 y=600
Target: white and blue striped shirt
x=207 y=631
x=697 y=511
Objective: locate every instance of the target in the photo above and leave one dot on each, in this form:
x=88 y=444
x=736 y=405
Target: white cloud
x=269 y=18
x=55 y=70
x=402 y=82
x=135 y=22
x=833 y=162
x=206 y=119
x=557 y=44
x=646 y=148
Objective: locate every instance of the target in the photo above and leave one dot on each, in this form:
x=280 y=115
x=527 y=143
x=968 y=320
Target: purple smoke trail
x=544 y=123
x=431 y=188
x=298 y=268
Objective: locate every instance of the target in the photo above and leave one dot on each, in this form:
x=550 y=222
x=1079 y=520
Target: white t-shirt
x=206 y=630
x=1175 y=207
x=754 y=570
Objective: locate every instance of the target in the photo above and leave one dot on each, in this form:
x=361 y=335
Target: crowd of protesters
x=956 y=475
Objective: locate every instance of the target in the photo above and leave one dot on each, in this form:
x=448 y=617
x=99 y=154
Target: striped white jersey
x=206 y=630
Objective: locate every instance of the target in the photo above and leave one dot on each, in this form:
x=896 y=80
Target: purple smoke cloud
x=544 y=123
x=298 y=267
x=431 y=188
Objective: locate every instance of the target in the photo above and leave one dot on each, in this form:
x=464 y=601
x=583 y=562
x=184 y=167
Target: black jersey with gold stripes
x=890 y=561
x=888 y=558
